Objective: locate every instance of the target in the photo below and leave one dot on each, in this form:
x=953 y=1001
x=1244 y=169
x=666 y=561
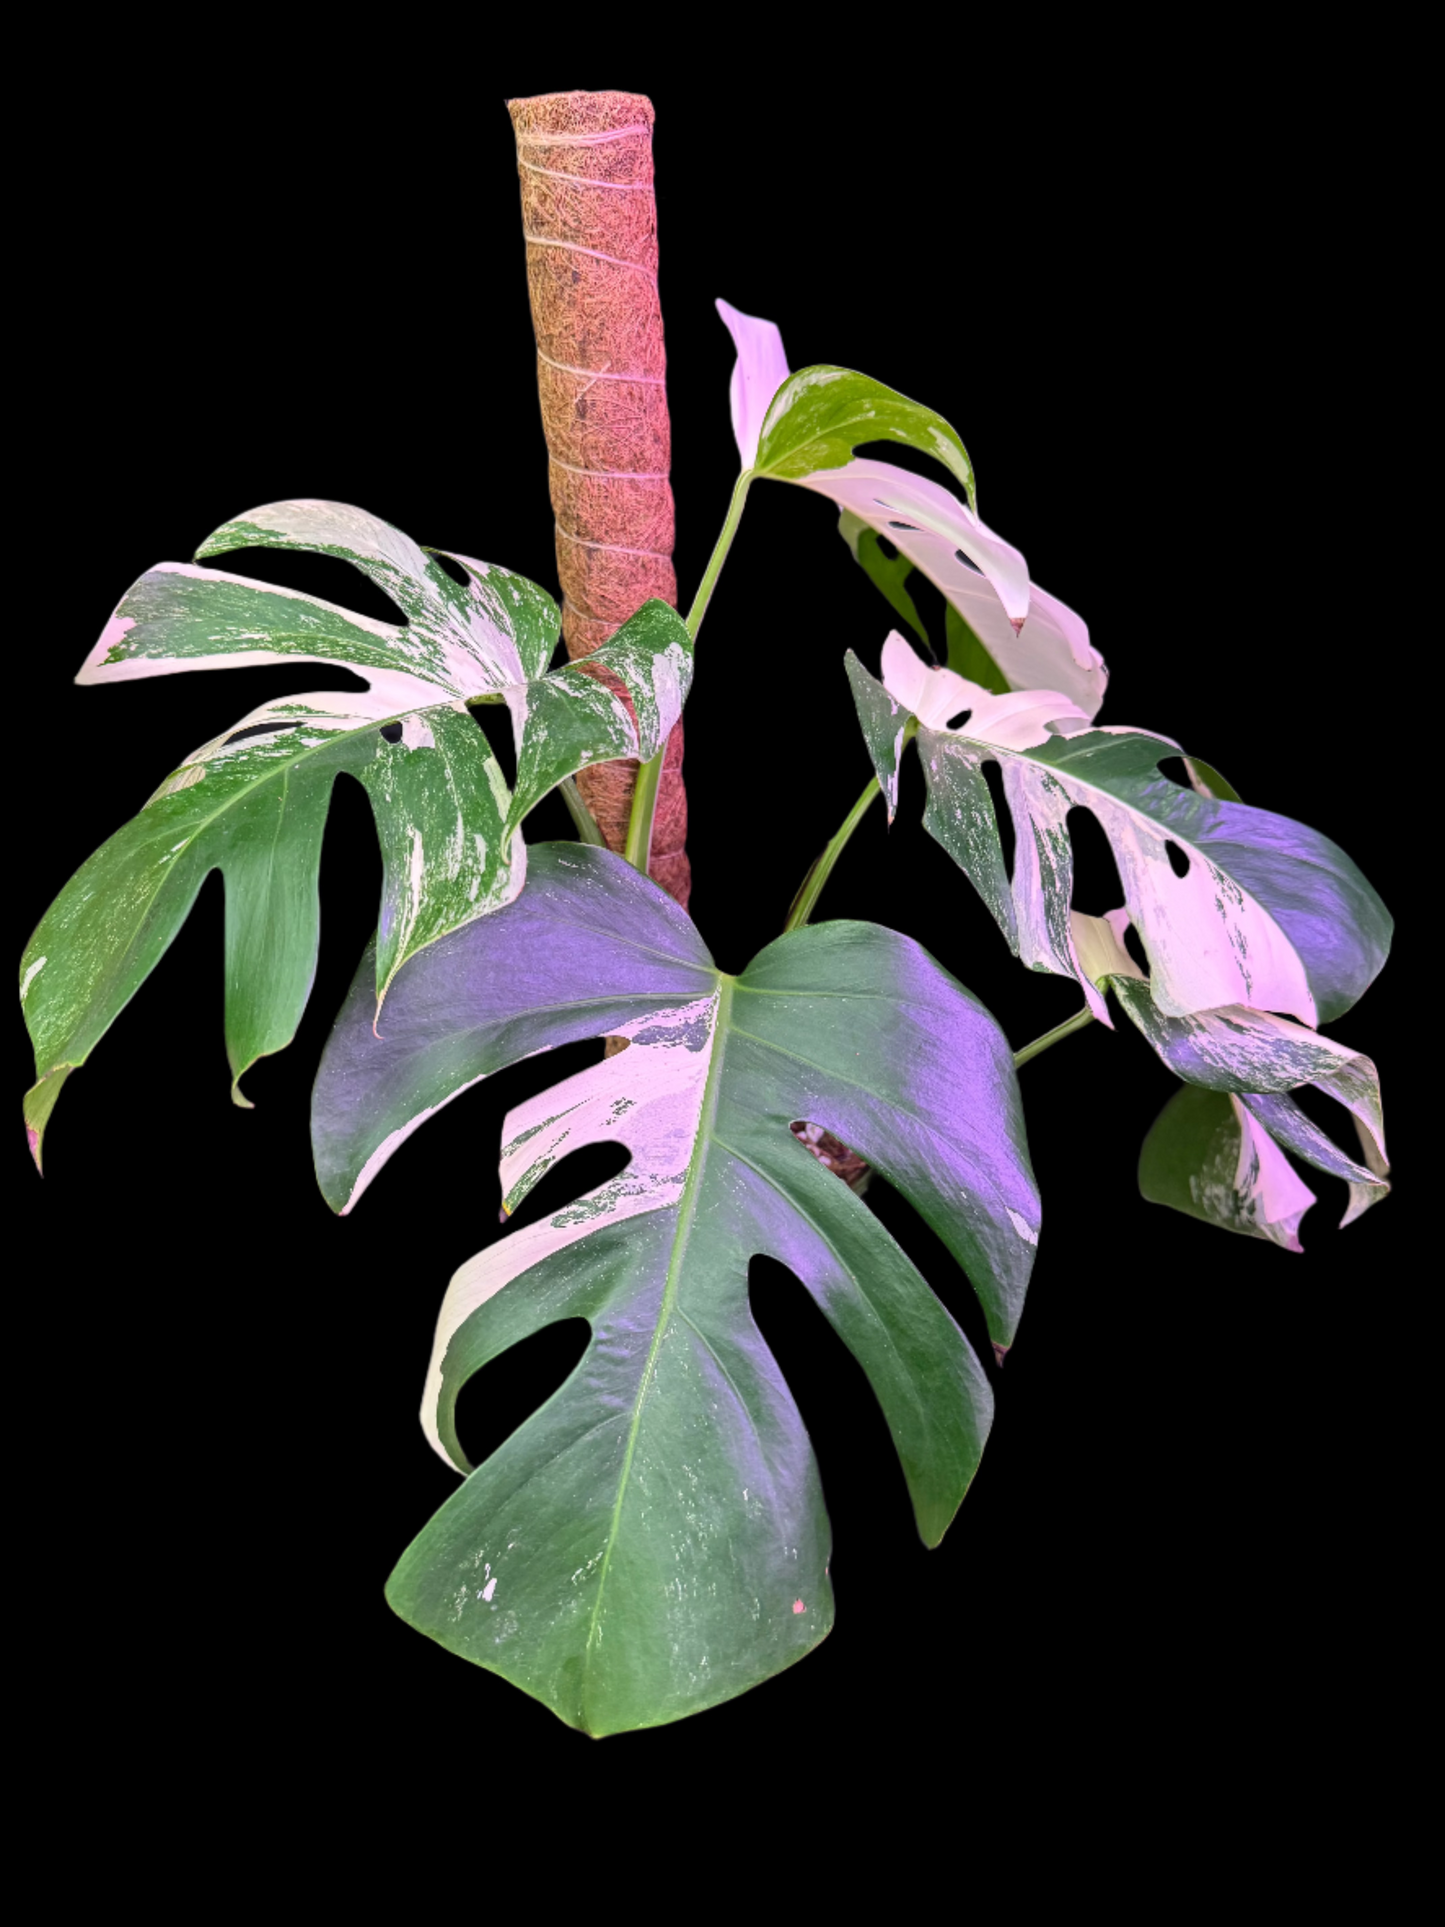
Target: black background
x=1151 y=357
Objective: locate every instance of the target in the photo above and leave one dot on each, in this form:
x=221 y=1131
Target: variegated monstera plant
x=653 y=1540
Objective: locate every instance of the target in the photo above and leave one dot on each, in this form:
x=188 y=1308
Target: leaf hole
x=867 y=1497
x=1097 y=886
x=391 y=732
x=1173 y=767
x=448 y=567
x=1178 y=861
x=958 y=721
x=915 y=462
x=1332 y=1118
x=967 y=561
x=993 y=776
x=927 y=599
x=571 y=1178
x=259 y=729
x=1134 y=944
x=888 y=550
x=511 y=1387
x=911 y=527
x=494 y=720
x=326 y=576
x=830 y=1151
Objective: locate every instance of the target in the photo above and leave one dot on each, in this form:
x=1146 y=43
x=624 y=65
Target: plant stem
x=812 y=888
x=638 y=847
x=720 y=553
x=1051 y=1037
x=586 y=822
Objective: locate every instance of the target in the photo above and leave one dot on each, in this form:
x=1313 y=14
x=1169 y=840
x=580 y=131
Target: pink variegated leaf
x=1233 y=905
x=1255 y=1057
x=806 y=432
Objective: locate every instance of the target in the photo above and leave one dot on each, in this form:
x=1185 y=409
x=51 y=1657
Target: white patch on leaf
x=1021 y=1224
x=662 y=1075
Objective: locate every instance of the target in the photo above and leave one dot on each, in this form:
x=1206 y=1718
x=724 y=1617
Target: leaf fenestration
x=805 y=428
x=654 y=1540
x=252 y=802
x=1266 y=912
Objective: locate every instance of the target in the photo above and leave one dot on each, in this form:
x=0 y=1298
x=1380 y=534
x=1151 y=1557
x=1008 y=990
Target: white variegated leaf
x=253 y=801
x=1256 y=1059
x=1035 y=640
x=1266 y=913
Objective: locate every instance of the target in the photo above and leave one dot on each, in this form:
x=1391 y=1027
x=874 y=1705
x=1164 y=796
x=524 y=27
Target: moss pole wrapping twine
x=589 y=217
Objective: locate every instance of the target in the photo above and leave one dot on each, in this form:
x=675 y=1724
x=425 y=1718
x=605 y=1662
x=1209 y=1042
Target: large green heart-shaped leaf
x=253 y=802
x=654 y=1540
x=805 y=427
x=1233 y=905
x=1217 y=1152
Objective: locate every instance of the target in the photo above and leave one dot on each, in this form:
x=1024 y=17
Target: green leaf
x=968 y=657
x=653 y=1540
x=888 y=574
x=967 y=653
x=887 y=729
x=820 y=415
x=253 y=802
x=571 y=720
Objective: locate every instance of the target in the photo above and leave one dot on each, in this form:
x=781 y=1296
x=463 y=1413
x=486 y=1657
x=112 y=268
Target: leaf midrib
x=686 y=1209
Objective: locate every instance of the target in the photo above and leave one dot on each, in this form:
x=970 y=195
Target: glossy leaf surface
x=1233 y=905
x=253 y=802
x=804 y=429
x=654 y=1539
x=1257 y=1059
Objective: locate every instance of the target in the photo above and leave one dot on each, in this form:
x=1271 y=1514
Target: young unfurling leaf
x=804 y=427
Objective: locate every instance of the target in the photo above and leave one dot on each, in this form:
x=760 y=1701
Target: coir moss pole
x=590 y=221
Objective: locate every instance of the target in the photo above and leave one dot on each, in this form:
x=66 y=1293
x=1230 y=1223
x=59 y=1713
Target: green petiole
x=1054 y=1036
x=813 y=883
x=638 y=847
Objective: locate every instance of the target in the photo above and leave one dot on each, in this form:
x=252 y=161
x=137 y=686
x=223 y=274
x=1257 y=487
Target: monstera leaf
x=1215 y=1150
x=804 y=428
x=653 y=1540
x=253 y=802
x=1232 y=905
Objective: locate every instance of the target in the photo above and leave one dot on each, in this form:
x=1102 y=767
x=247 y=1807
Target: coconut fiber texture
x=590 y=221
